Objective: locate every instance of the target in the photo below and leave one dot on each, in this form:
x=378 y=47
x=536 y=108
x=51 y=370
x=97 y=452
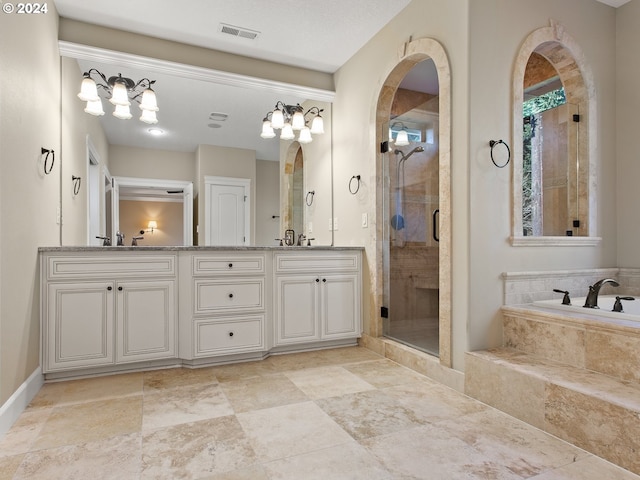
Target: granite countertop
x=190 y=249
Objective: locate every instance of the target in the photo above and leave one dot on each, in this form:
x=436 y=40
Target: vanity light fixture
x=121 y=90
x=292 y=118
x=402 y=137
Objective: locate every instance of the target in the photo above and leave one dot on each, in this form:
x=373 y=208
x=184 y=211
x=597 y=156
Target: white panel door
x=226 y=211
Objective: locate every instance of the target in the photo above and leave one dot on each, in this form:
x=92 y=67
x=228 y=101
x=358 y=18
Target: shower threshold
x=429 y=346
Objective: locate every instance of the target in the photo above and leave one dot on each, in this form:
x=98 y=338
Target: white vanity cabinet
x=106 y=310
x=317 y=297
x=223 y=304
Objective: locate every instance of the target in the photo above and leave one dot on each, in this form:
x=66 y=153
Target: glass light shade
x=402 y=139
x=152 y=225
x=122 y=112
x=287 y=132
x=297 y=122
x=149 y=101
x=119 y=95
x=305 y=135
x=94 y=108
x=267 y=130
x=148 y=116
x=277 y=119
x=88 y=90
x=317 y=125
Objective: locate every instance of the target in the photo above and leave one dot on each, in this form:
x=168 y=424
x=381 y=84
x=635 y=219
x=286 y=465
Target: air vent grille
x=238 y=31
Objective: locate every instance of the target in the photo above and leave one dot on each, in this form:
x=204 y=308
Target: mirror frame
x=555 y=35
x=86 y=52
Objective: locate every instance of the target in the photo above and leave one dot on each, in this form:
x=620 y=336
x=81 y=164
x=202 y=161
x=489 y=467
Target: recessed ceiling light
x=218 y=116
x=156 y=131
x=214 y=125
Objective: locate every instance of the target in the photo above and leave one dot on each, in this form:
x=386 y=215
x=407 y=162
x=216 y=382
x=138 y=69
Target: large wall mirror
x=554 y=120
x=209 y=124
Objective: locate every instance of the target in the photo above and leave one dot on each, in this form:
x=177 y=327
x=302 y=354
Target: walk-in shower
x=397 y=220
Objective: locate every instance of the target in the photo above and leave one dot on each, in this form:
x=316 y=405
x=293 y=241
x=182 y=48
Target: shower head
x=419 y=148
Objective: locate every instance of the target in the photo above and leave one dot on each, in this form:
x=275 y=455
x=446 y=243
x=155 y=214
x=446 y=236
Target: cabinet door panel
x=80 y=325
x=145 y=321
x=340 y=306
x=296 y=312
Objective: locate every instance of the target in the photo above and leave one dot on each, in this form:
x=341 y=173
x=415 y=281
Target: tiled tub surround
x=573 y=375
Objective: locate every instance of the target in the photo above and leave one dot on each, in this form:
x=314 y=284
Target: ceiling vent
x=238 y=31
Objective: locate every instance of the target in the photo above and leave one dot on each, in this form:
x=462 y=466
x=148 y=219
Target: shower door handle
x=436 y=212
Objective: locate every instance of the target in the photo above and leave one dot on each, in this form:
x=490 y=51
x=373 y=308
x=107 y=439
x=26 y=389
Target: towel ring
x=76 y=184
x=307 y=200
x=492 y=144
x=357 y=178
x=47 y=152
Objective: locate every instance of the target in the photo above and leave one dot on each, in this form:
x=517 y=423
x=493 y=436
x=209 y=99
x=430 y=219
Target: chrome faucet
x=120 y=239
x=134 y=240
x=594 y=290
x=301 y=238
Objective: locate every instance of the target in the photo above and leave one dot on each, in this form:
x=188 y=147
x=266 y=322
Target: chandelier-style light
x=291 y=118
x=122 y=90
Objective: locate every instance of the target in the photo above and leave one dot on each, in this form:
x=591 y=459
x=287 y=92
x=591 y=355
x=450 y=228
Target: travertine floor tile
x=371 y=413
x=115 y=458
x=326 y=382
x=262 y=392
x=24 y=432
x=590 y=468
x=99 y=388
x=177 y=377
x=347 y=461
x=242 y=371
x=91 y=421
x=9 y=466
x=384 y=373
x=196 y=450
x=184 y=405
x=288 y=430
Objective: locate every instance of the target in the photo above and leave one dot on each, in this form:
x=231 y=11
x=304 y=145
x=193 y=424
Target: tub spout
x=592 y=297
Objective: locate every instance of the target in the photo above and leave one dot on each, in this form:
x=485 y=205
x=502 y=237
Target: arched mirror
x=554 y=105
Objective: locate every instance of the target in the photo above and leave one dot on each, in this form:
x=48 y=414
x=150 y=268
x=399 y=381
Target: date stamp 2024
x=25 y=8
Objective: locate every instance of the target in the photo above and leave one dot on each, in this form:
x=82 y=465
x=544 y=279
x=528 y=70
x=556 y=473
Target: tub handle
x=565 y=300
x=617 y=306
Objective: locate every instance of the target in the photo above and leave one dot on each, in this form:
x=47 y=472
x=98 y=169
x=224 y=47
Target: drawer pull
x=231 y=295
x=109 y=288
x=231 y=265
x=231 y=334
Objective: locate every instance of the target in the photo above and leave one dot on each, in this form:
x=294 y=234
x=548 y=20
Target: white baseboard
x=15 y=405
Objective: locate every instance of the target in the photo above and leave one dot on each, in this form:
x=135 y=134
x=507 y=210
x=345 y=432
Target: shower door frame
x=415 y=52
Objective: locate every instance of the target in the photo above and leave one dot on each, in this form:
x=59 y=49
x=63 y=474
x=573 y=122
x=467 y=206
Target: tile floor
x=335 y=414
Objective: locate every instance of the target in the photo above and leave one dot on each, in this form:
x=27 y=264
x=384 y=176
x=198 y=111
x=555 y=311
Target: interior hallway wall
x=625 y=142
x=29 y=121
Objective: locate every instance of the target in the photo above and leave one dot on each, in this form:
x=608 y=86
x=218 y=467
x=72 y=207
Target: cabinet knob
x=317 y=280
x=120 y=289
x=231 y=334
x=324 y=280
x=231 y=295
x=109 y=288
x=231 y=265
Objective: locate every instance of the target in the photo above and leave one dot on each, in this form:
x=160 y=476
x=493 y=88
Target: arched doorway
x=393 y=228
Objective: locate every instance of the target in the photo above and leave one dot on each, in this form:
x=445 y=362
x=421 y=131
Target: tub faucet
x=594 y=290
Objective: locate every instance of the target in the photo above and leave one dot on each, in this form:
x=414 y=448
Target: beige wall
x=29 y=120
x=150 y=163
x=268 y=203
x=625 y=147
x=135 y=216
x=78 y=127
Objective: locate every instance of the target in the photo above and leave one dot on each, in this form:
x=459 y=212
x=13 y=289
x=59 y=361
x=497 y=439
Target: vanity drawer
x=228 y=264
x=228 y=294
x=110 y=265
x=228 y=335
x=318 y=261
